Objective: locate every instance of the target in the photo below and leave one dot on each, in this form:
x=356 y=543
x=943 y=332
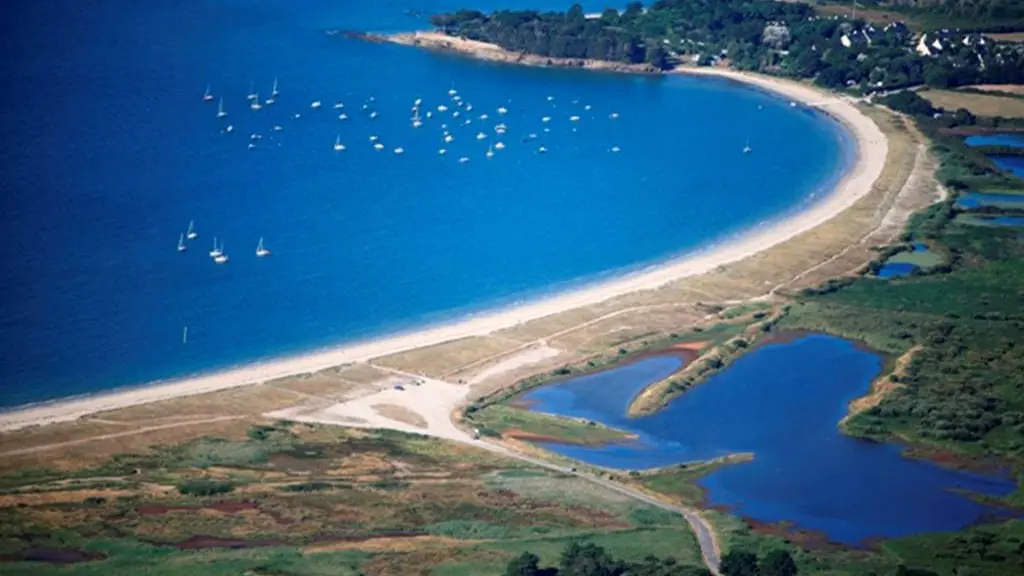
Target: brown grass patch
x=58 y=497
x=440 y=359
x=88 y=451
x=691 y=346
x=978 y=104
x=1003 y=88
x=362 y=373
x=400 y=414
x=1007 y=36
x=390 y=544
x=326 y=383
x=873 y=15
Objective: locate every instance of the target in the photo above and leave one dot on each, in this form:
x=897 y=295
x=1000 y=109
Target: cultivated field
x=977 y=104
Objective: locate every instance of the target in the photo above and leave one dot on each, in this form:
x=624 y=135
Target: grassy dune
x=524 y=424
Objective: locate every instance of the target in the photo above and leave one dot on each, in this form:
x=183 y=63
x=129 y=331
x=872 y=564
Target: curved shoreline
x=871 y=153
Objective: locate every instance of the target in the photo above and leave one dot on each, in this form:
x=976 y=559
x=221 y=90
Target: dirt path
x=433 y=401
x=45 y=447
x=709 y=548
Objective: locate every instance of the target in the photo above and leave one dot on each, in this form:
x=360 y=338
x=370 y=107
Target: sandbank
x=872 y=149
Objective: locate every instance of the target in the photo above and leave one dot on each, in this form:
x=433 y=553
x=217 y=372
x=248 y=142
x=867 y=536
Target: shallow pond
x=1013 y=140
x=1014 y=164
x=782 y=402
x=904 y=263
x=978 y=199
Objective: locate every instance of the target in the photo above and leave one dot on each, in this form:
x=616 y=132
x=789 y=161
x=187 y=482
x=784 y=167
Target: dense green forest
x=774 y=37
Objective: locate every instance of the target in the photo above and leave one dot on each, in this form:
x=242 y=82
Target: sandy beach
x=872 y=149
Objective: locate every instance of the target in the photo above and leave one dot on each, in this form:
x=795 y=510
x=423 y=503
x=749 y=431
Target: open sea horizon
x=110 y=152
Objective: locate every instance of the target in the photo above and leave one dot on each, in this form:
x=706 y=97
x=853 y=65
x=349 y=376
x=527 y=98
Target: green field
x=681 y=481
x=929 y=259
x=298 y=499
x=507 y=420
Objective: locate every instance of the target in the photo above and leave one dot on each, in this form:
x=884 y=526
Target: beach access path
x=434 y=401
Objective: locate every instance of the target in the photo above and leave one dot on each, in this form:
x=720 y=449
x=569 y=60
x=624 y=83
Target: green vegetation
x=993 y=15
x=785 y=38
x=204 y=487
x=991 y=550
x=680 y=481
x=708 y=336
x=1000 y=150
x=504 y=419
x=923 y=259
x=711 y=362
x=301 y=499
x=590 y=559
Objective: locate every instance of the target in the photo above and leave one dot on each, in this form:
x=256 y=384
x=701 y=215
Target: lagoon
x=782 y=402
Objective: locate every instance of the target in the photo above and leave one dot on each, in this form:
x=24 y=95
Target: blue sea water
x=109 y=152
x=782 y=402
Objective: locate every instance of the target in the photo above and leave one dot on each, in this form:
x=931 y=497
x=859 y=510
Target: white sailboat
x=252 y=91
x=184 y=335
x=746 y=147
x=220 y=109
x=207 y=96
x=490 y=151
x=222 y=256
x=191 y=233
x=255 y=103
x=273 y=91
x=338 y=146
x=217 y=251
x=181 y=243
x=260 y=250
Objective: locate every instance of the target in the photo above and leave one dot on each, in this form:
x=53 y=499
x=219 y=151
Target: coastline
x=857 y=181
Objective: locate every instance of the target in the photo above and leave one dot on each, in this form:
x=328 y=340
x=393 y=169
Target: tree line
x=578 y=559
x=782 y=38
